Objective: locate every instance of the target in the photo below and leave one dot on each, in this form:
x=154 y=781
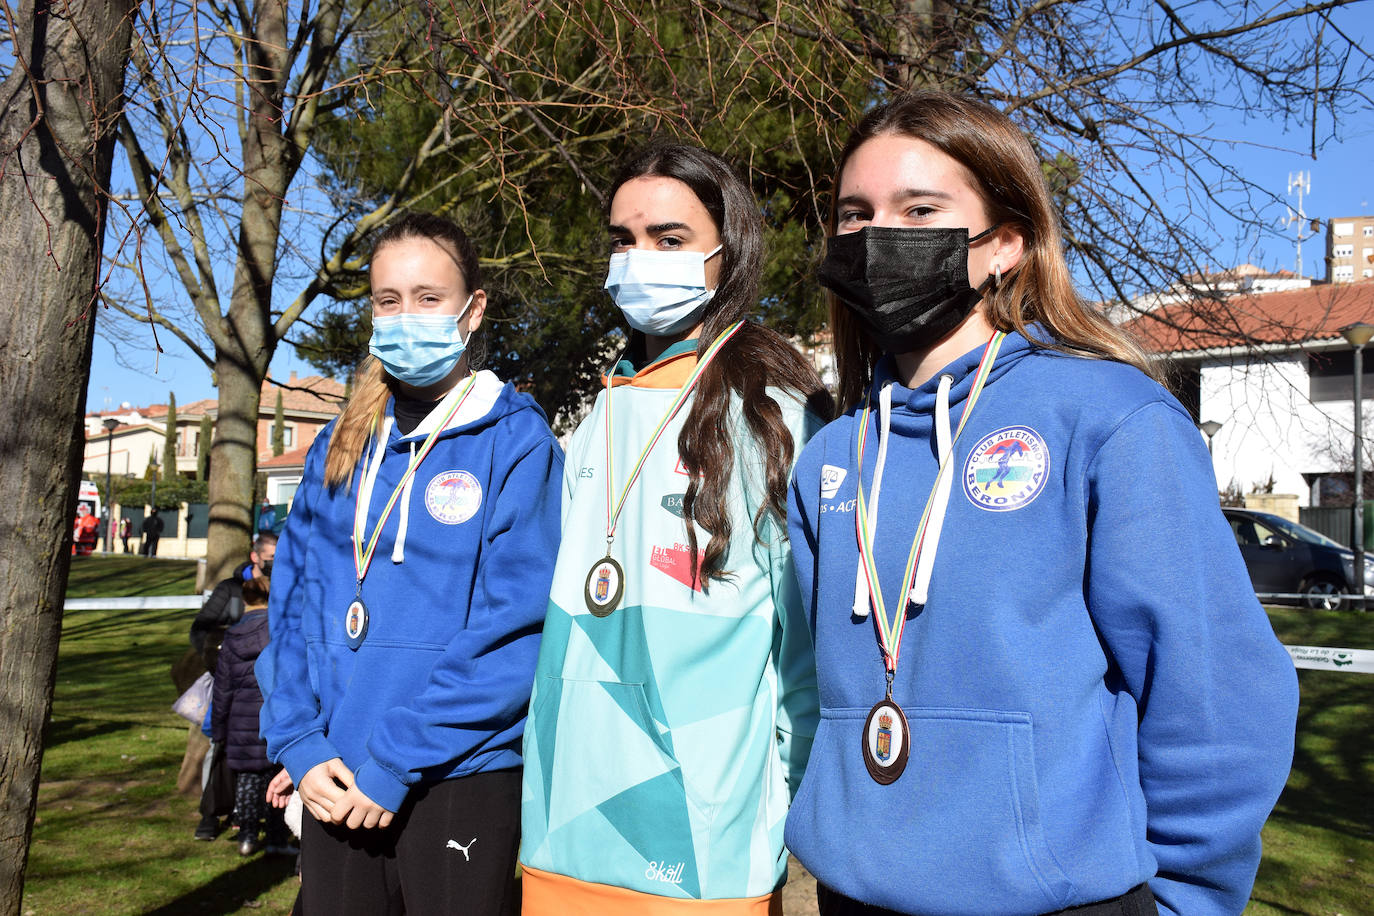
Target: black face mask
x=907 y=287
x=266 y=567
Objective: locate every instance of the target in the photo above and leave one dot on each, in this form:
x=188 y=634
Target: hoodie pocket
x=612 y=782
x=963 y=820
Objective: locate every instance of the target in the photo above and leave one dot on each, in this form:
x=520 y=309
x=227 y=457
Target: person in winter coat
x=224 y=606
x=222 y=609
x=675 y=696
x=234 y=723
x=409 y=587
x=1046 y=684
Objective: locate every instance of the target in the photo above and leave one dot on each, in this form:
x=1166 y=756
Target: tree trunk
x=56 y=137
x=246 y=339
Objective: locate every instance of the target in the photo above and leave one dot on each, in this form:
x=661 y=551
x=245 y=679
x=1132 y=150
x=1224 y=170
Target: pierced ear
x=1011 y=247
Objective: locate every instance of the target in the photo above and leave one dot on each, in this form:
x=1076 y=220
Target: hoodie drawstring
x=398 y=552
x=944 y=480
x=943 y=484
x=861 y=593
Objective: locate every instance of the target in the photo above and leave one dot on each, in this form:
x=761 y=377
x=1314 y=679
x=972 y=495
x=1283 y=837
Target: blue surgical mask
x=419 y=350
x=661 y=292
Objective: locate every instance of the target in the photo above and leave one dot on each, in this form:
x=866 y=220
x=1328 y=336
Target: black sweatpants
x=451 y=849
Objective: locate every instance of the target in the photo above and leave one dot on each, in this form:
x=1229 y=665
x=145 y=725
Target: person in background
x=267 y=516
x=151 y=529
x=235 y=704
x=221 y=610
x=126 y=528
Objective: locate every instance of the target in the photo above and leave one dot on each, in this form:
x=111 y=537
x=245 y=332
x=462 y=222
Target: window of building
x=1342 y=251
x=1368 y=272
x=1369 y=232
x=288 y=436
x=1345 y=273
x=1340 y=229
x=1331 y=375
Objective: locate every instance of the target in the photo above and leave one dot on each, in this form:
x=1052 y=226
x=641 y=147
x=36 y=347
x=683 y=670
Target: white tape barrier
x=144 y=603
x=1328 y=659
x=1319 y=657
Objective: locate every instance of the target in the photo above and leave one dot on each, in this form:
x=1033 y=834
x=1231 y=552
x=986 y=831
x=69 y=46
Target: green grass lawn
x=1319 y=842
x=114 y=838
x=112 y=835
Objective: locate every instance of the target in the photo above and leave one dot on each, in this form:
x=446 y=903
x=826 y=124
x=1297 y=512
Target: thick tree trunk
x=56 y=138
x=246 y=339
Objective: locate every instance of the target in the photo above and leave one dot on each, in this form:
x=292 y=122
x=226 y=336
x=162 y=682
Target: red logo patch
x=675 y=561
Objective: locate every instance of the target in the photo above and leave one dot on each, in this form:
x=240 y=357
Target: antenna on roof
x=1302 y=182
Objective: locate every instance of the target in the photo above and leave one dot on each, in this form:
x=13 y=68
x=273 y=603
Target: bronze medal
x=605 y=586
x=886 y=742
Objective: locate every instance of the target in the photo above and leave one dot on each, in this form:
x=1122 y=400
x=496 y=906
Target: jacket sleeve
x=211 y=614
x=487 y=671
x=798 y=699
x=1216 y=693
x=291 y=721
x=222 y=696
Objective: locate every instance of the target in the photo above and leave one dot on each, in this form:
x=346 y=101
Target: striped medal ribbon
x=356 y=617
x=886 y=743
x=605 y=583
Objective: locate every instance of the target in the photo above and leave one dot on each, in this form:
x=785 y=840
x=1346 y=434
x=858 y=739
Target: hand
x=356 y=810
x=279 y=790
x=323 y=787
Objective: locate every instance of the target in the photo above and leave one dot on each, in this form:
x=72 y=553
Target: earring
x=996 y=275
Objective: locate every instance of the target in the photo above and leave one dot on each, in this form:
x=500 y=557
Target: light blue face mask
x=419 y=350
x=661 y=292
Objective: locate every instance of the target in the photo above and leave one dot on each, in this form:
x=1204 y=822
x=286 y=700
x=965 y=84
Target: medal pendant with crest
x=605 y=586
x=355 y=623
x=886 y=742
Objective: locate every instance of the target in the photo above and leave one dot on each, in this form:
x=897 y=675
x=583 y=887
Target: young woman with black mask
x=1046 y=683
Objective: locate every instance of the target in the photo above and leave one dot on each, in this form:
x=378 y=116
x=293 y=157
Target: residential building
x=139 y=433
x=1349 y=249
x=1275 y=372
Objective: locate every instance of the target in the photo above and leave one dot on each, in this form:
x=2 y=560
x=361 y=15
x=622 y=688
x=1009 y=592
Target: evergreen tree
x=203 y=448
x=279 y=428
x=169 y=440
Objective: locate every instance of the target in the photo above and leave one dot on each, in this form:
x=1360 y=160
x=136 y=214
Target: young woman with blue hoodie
x=1045 y=682
x=408 y=591
x=675 y=697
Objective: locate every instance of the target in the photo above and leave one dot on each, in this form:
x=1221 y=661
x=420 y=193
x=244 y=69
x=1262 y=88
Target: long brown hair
x=1008 y=178
x=372 y=385
x=754 y=359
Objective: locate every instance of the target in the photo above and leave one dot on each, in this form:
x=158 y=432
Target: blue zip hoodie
x=1095 y=697
x=455 y=595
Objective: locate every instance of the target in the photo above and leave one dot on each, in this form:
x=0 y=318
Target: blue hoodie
x=1095 y=697
x=455 y=594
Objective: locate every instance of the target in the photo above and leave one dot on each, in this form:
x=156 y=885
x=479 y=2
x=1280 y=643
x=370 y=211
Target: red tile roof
x=295 y=458
x=1289 y=317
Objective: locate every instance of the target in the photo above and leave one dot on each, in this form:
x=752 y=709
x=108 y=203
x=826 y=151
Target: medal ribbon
x=890 y=631
x=362 y=557
x=613 y=507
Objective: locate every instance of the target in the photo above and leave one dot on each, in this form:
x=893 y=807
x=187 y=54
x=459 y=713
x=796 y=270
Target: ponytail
x=358 y=422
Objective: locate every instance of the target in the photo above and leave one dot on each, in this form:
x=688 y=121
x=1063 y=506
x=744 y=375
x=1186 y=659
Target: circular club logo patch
x=453 y=497
x=1007 y=469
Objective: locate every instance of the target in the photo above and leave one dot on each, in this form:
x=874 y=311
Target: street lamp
x=109 y=423
x=1209 y=429
x=1357 y=335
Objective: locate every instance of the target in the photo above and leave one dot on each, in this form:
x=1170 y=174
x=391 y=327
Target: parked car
x=1284 y=557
